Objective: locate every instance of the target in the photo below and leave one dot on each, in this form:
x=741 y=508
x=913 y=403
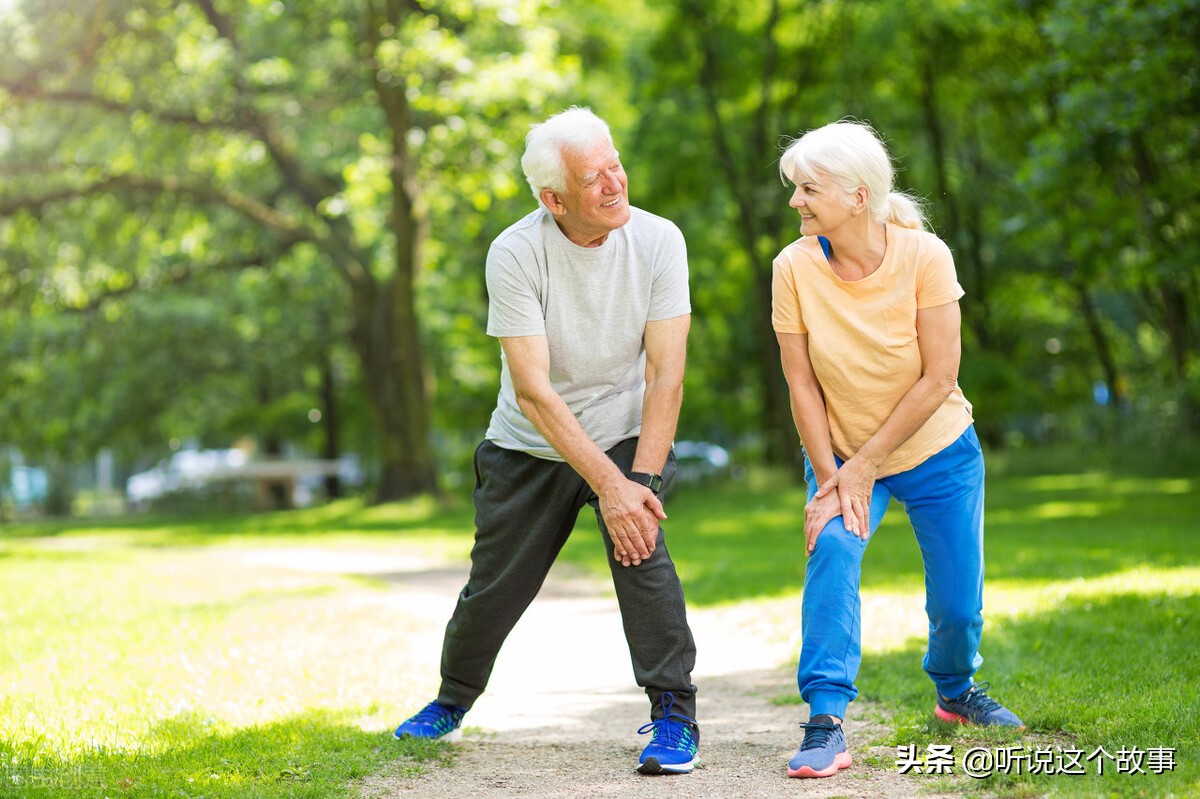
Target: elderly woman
x=865 y=306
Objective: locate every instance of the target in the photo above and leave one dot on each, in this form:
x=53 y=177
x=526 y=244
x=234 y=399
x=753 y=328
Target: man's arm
x=629 y=510
x=666 y=356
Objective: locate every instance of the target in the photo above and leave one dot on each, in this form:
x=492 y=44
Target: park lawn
x=1092 y=609
x=169 y=657
x=179 y=658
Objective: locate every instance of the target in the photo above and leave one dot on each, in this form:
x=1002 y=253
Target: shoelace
x=816 y=735
x=672 y=729
x=434 y=713
x=978 y=699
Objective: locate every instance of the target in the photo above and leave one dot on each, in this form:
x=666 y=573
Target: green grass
x=159 y=656
x=1092 y=607
x=167 y=657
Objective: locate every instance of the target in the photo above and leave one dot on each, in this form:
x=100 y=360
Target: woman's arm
x=939 y=339
x=812 y=423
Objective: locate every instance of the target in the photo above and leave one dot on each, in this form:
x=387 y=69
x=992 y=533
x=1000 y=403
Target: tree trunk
x=331 y=449
x=387 y=340
x=273 y=494
x=1104 y=352
x=781 y=442
x=968 y=255
x=1177 y=325
x=781 y=445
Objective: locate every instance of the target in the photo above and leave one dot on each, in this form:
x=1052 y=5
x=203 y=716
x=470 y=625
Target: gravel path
x=560 y=715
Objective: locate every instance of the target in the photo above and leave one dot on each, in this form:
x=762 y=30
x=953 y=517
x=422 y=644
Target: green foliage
x=158 y=158
x=168 y=150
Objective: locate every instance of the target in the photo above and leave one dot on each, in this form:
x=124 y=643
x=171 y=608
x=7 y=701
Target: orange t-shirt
x=862 y=338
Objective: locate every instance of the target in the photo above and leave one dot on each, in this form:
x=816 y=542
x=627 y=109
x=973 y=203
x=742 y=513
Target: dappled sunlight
x=1063 y=482
x=1037 y=595
x=1054 y=510
x=137 y=638
x=1100 y=481
x=893 y=620
x=143 y=637
x=1085 y=666
x=420 y=509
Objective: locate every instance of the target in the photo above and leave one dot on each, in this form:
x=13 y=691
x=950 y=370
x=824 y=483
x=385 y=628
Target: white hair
x=574 y=130
x=851 y=154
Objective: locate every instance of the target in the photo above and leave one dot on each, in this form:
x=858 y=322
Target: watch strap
x=654 y=482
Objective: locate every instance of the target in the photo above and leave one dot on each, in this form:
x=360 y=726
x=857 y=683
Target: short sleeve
x=786 y=316
x=514 y=304
x=669 y=296
x=937 y=281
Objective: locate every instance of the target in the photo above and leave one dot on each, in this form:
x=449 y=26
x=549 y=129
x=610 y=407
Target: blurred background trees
x=266 y=220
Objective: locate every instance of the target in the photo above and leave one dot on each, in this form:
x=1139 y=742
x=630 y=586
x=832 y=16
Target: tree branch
x=184 y=272
x=242 y=203
x=221 y=23
x=770 y=67
x=30 y=92
x=709 y=71
x=312 y=187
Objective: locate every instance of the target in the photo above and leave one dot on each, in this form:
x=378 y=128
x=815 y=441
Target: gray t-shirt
x=592 y=304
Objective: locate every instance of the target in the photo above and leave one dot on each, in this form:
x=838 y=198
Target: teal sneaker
x=434 y=721
x=823 y=751
x=974 y=706
x=673 y=743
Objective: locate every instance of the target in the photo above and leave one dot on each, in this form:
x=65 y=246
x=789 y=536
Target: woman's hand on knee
x=854 y=482
x=817 y=514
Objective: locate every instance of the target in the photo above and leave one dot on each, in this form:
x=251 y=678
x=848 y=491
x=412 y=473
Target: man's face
x=596 y=200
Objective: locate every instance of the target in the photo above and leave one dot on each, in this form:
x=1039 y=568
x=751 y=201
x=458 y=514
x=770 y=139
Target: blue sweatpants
x=943 y=497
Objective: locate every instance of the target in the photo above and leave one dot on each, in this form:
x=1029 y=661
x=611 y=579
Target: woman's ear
x=860 y=199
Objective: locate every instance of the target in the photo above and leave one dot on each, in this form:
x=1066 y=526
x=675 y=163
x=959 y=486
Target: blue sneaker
x=673 y=745
x=974 y=706
x=434 y=721
x=823 y=751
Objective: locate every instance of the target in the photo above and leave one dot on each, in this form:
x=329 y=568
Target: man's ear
x=550 y=198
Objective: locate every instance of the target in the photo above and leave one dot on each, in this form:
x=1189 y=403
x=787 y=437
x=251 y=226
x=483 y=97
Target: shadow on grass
x=419 y=516
x=739 y=541
x=734 y=541
x=1116 y=672
x=312 y=755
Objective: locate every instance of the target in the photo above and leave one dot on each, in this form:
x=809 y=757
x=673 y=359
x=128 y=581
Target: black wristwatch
x=651 y=481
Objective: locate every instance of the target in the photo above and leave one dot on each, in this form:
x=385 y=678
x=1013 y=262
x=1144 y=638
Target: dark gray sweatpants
x=525 y=508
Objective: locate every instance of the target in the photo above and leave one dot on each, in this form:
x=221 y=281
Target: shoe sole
x=652 y=766
x=954 y=718
x=450 y=737
x=840 y=761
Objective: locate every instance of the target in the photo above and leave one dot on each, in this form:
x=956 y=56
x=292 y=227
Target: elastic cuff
x=955 y=689
x=683 y=703
x=832 y=703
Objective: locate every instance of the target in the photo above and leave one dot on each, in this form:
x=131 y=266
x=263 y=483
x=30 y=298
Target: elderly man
x=589 y=299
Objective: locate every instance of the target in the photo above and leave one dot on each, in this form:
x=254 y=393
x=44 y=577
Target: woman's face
x=822 y=204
